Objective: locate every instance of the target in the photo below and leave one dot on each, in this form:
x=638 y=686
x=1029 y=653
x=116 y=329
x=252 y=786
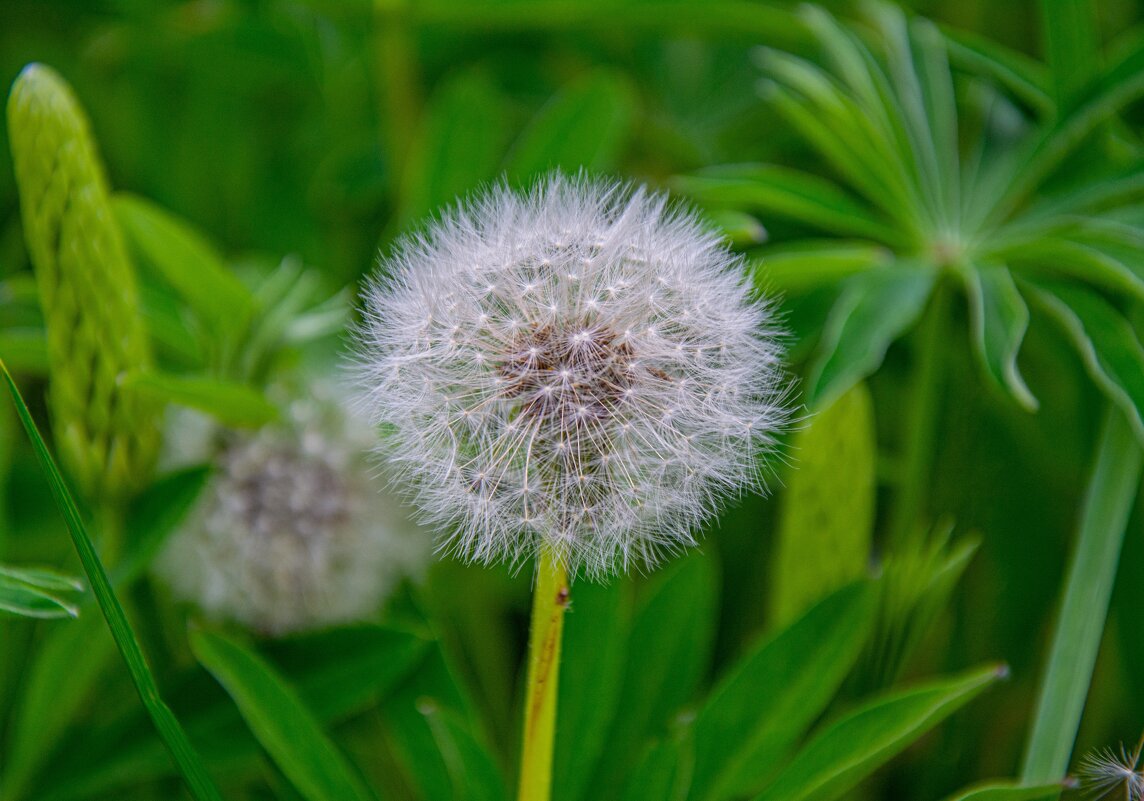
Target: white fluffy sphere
x=582 y=367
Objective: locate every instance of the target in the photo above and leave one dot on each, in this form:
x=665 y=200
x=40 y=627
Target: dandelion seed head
x=289 y=534
x=628 y=378
x=1106 y=773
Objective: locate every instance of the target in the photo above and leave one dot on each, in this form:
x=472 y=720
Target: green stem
x=1088 y=587
x=916 y=465
x=549 y=601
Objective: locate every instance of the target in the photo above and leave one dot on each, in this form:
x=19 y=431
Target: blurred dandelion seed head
x=581 y=366
x=289 y=535
x=1113 y=774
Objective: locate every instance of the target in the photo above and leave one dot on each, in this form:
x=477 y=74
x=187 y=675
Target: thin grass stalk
x=1108 y=502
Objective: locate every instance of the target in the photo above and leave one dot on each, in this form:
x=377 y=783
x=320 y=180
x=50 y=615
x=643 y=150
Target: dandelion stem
x=1088 y=587
x=549 y=601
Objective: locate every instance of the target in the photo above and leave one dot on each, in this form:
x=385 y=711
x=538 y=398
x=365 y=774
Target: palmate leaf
x=816 y=263
x=875 y=308
x=1008 y=791
x=1107 y=343
x=999 y=319
x=1026 y=78
x=846 y=751
x=23 y=599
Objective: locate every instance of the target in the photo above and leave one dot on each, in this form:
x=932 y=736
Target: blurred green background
x=324 y=129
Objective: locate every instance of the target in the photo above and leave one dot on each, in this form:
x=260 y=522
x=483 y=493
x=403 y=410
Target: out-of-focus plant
x=946 y=187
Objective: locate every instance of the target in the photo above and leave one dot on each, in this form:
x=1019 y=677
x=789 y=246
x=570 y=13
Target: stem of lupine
x=549 y=600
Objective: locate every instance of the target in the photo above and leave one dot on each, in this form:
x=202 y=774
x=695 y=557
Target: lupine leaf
x=849 y=749
x=1008 y=791
x=21 y=600
x=582 y=127
x=877 y=307
x=745 y=726
x=289 y=732
x=186 y=260
x=1107 y=343
x=1071 y=44
x=1023 y=76
x=815 y=263
x=999 y=318
x=228 y=402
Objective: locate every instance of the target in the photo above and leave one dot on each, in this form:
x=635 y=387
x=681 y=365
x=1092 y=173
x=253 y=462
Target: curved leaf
x=228 y=402
x=1000 y=319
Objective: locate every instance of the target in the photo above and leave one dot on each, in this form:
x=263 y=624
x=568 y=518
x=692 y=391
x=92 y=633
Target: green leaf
x=827 y=515
x=810 y=264
x=672 y=631
x=25 y=349
x=154 y=515
x=999 y=319
x=228 y=402
x=591 y=669
x=1107 y=343
x=1108 y=502
x=468 y=761
x=21 y=600
x=877 y=307
x=850 y=749
x=59 y=679
x=741 y=230
x=1008 y=791
x=190 y=765
x=583 y=126
x=44 y=578
x=1071 y=44
x=787 y=192
x=760 y=708
x=1023 y=76
x=187 y=261
x=277 y=716
x=458 y=148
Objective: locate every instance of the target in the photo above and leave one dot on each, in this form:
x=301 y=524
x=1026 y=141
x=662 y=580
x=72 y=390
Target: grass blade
x=191 y=767
x=1088 y=588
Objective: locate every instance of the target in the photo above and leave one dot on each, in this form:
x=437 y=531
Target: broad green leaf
x=336 y=673
x=228 y=402
x=760 y=708
x=187 y=261
x=741 y=230
x=1107 y=343
x=781 y=190
x=827 y=517
x=876 y=308
x=814 y=263
x=1079 y=629
x=174 y=738
x=582 y=127
x=154 y=515
x=1008 y=791
x=672 y=632
x=278 y=717
x=848 y=750
x=999 y=318
x=468 y=762
x=591 y=669
x=458 y=147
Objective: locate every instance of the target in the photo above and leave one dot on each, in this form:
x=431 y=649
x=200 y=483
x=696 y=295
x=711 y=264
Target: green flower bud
x=107 y=438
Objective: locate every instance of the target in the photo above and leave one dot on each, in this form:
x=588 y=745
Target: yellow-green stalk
x=549 y=600
x=107 y=438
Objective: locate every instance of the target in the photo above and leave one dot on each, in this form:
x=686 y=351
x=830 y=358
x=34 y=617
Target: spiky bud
x=108 y=439
x=582 y=367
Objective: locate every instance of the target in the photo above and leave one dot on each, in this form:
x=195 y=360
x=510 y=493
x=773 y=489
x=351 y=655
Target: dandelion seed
x=629 y=420
x=1114 y=775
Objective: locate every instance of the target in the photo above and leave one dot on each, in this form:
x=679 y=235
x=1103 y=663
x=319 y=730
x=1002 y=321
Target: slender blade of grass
x=1088 y=587
x=184 y=755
